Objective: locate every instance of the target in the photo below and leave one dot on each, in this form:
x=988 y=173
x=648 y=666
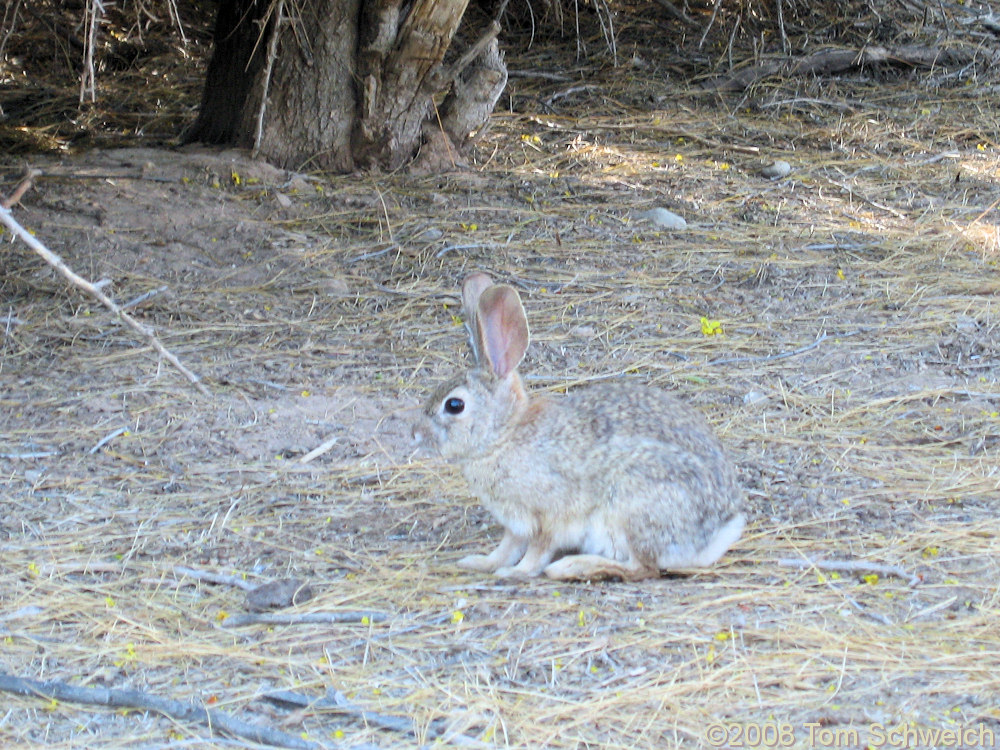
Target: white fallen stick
x=57 y=263
x=852 y=566
x=137 y=699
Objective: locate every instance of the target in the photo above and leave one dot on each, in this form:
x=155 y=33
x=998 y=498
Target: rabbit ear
x=472 y=290
x=503 y=328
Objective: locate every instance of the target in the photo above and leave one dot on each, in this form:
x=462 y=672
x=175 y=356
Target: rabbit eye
x=454 y=406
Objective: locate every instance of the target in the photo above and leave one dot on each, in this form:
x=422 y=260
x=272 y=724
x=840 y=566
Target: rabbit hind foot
x=597 y=567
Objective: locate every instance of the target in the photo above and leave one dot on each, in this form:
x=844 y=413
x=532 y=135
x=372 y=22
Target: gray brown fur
x=623 y=480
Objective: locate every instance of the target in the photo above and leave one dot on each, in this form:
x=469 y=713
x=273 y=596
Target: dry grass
x=855 y=382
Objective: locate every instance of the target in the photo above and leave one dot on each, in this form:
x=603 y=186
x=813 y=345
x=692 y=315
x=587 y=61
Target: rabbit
x=616 y=480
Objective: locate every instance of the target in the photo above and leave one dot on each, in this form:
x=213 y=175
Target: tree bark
x=395 y=75
x=344 y=83
x=311 y=100
x=236 y=64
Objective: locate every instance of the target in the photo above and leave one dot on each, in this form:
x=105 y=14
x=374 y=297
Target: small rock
x=299 y=185
x=278 y=595
x=966 y=324
x=334 y=287
x=663 y=219
x=776 y=170
x=283 y=200
x=429 y=235
x=638 y=62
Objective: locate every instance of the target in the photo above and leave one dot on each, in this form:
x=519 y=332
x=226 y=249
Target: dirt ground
x=852 y=374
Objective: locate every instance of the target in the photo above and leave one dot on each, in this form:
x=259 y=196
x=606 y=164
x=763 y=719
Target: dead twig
x=218 y=578
x=92 y=16
x=678 y=14
x=107 y=439
x=852 y=566
x=308 y=618
x=137 y=699
x=272 y=54
x=337 y=701
x=711 y=22
x=9 y=24
x=57 y=263
x=783 y=355
x=446 y=77
x=144 y=297
x=319 y=450
x=26 y=184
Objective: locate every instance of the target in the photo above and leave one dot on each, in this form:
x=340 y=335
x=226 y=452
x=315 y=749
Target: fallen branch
x=337 y=701
x=217 y=578
x=783 y=355
x=137 y=699
x=20 y=190
x=261 y=597
x=319 y=450
x=852 y=566
x=830 y=61
x=81 y=283
x=144 y=296
x=107 y=439
x=444 y=78
x=308 y=618
x=678 y=14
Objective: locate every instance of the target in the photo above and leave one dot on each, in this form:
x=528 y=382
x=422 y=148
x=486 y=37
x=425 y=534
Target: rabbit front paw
x=510 y=550
x=513 y=573
x=531 y=565
x=480 y=563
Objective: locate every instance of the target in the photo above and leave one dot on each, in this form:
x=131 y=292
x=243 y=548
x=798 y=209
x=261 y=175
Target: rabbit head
x=466 y=416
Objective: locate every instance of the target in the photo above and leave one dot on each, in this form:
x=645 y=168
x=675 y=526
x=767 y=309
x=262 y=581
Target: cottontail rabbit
x=621 y=479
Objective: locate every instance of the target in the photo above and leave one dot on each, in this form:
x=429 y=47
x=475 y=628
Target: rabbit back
x=616 y=470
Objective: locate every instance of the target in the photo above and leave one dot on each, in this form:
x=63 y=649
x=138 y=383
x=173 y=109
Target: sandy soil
x=854 y=381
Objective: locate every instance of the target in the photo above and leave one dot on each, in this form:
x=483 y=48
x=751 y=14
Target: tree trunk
x=236 y=63
x=395 y=74
x=335 y=84
x=311 y=102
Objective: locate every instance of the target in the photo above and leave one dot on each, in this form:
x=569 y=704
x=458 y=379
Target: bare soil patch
x=853 y=376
